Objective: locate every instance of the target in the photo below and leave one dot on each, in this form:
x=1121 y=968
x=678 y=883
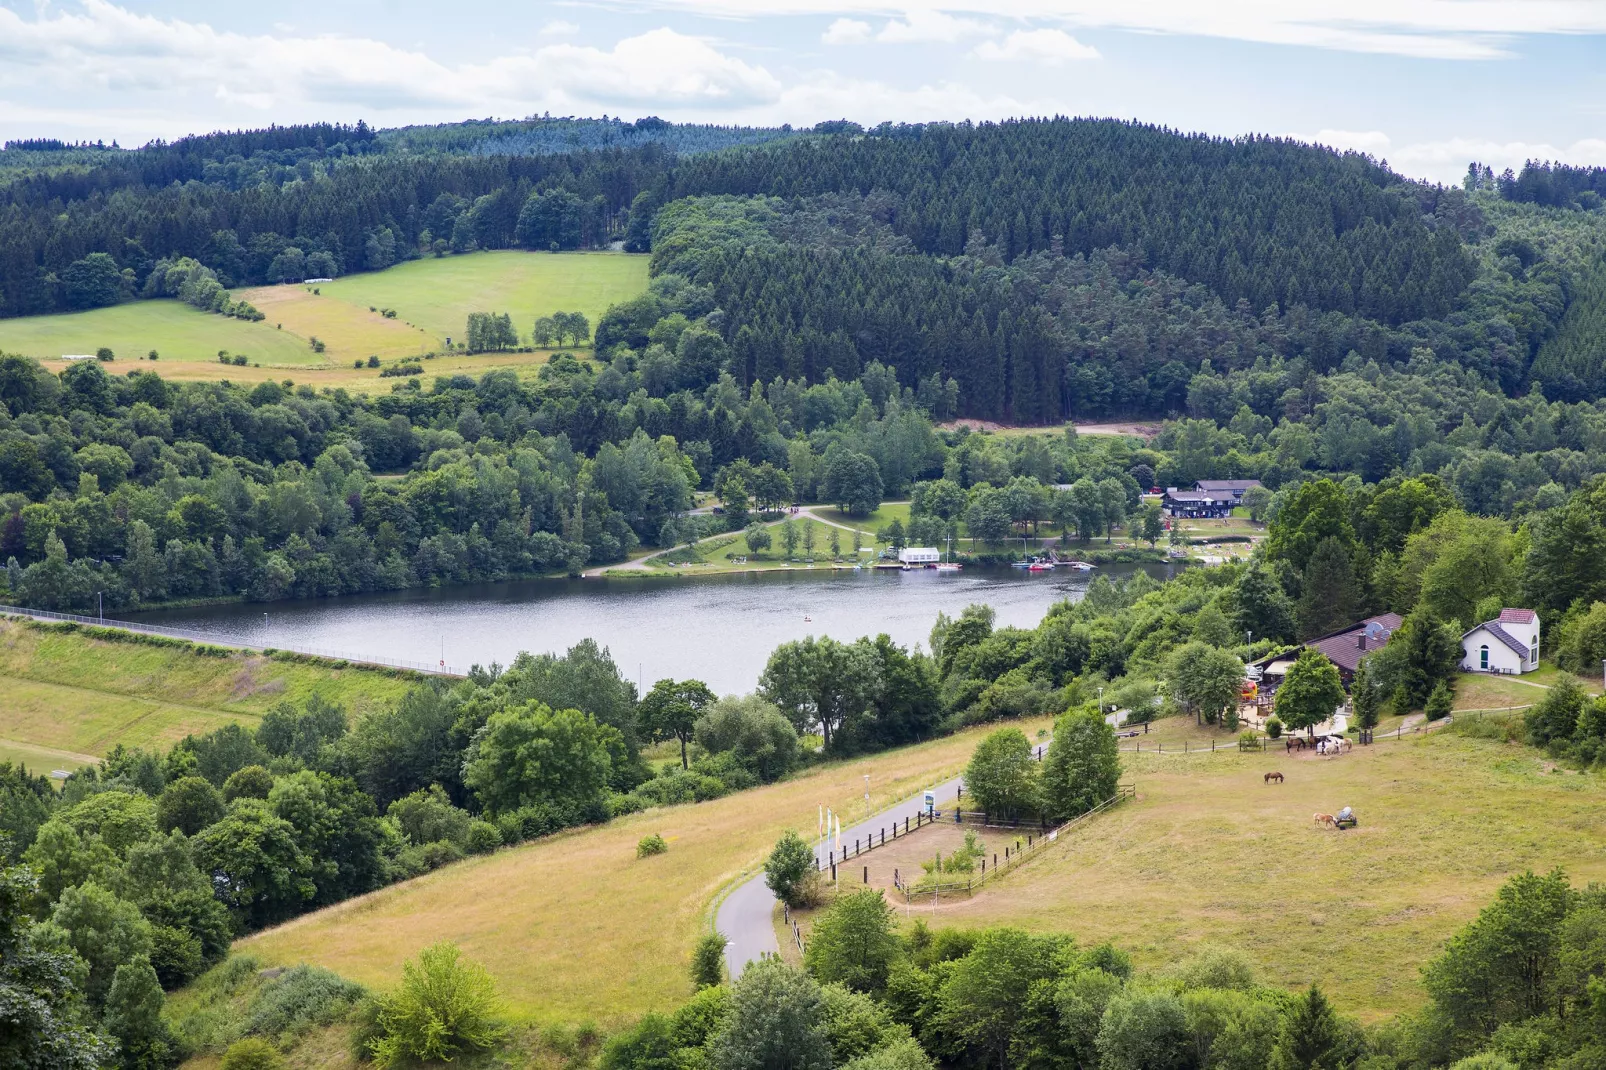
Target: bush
x=252 y=1053
x=708 y=960
x=483 y=838
x=788 y=867
x=1274 y=728
x=105 y=353
x=423 y=857
x=300 y=999
x=648 y=846
x=399 y=370
x=444 y=1006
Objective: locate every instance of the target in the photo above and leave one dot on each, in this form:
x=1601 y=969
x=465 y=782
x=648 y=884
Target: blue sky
x=1426 y=84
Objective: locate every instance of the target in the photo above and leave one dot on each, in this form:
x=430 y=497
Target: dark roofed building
x=1344 y=649
x=1234 y=487
x=1197 y=503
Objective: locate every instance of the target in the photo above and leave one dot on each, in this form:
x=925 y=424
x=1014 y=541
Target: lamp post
x=867 y=795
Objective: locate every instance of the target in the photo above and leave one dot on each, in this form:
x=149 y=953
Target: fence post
x=867 y=874
x=833 y=871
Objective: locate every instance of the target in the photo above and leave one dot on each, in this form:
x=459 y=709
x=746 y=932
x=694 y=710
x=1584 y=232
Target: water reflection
x=717 y=629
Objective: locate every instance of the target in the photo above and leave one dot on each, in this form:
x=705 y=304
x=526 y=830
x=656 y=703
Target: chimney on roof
x=1360 y=640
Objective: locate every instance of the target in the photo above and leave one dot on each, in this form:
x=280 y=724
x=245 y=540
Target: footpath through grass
x=62 y=691
x=1209 y=853
x=575 y=927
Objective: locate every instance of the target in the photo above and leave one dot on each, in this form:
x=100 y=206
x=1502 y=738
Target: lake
x=719 y=629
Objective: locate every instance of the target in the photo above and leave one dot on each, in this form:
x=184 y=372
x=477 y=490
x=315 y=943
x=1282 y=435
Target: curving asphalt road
x=746 y=917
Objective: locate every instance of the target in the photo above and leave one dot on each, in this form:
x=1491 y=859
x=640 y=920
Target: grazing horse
x=1324 y=819
x=1278 y=777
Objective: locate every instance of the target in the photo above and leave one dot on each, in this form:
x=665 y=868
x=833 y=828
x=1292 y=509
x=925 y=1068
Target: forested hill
x=1267 y=220
x=1046 y=268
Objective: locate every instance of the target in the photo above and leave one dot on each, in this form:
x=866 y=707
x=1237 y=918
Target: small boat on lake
x=1079 y=566
x=1041 y=566
x=948 y=567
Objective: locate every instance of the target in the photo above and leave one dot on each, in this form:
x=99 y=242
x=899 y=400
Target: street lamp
x=1101 y=702
x=867 y=795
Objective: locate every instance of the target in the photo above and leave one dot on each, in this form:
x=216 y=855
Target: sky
x=1427 y=85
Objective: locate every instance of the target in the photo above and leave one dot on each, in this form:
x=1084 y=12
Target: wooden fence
x=1013 y=855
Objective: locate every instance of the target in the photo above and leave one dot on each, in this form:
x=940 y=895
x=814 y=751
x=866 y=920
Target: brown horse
x=1325 y=819
x=1295 y=743
x=1278 y=777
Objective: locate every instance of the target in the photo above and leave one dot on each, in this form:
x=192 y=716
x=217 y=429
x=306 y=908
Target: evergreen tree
x=1328 y=600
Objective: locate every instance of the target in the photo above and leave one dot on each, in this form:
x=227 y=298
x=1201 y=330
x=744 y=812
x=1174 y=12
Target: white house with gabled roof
x=1509 y=644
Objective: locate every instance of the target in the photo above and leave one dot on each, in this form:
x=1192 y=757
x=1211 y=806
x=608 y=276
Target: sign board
x=931 y=802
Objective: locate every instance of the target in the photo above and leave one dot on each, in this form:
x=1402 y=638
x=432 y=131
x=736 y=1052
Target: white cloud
x=102 y=47
x=931 y=27
x=1050 y=47
x=826 y=95
x=1446 y=161
x=1438 y=29
x=846 y=32
x=1371 y=142
x=559 y=28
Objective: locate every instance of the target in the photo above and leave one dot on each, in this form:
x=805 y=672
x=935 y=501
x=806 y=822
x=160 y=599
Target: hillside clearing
x=181 y=335
x=1209 y=853
x=574 y=927
x=431 y=298
x=66 y=691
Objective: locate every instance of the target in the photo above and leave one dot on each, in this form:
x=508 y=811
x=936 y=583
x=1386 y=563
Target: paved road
x=745 y=918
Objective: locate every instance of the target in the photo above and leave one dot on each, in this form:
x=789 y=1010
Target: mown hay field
x=575 y=927
x=1210 y=853
x=431 y=299
x=64 y=691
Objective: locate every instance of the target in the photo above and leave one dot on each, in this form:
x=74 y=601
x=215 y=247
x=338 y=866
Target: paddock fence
x=1029 y=840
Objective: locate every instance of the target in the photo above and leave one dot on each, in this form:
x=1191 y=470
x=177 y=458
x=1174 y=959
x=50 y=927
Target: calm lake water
x=719 y=629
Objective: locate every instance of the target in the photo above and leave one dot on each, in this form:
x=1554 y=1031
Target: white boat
x=948 y=566
x=1079 y=566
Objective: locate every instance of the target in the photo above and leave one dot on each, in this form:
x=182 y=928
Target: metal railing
x=207 y=640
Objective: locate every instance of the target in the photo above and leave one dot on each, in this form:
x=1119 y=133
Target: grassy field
x=574 y=927
x=877 y=520
x=1209 y=854
x=65 y=697
x=436 y=296
x=432 y=299
x=180 y=334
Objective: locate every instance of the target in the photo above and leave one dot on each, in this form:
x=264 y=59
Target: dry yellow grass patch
x=65 y=691
x=574 y=927
x=348 y=331
x=1209 y=853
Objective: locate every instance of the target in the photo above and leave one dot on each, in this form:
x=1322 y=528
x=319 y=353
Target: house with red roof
x=1508 y=644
